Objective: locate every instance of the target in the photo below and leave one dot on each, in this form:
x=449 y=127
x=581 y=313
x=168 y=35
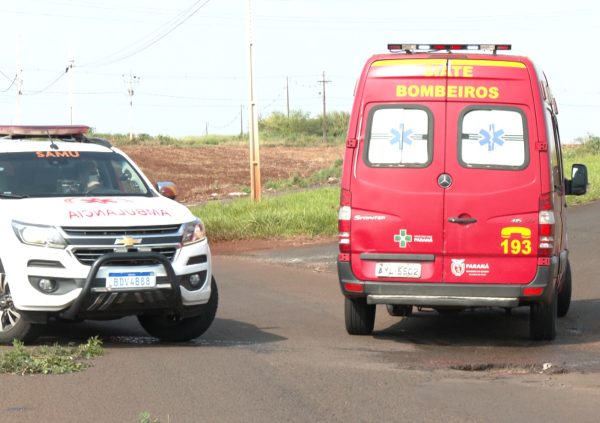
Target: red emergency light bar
x=40 y=130
x=412 y=48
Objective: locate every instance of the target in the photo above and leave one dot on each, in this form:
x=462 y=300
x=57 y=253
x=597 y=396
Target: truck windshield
x=68 y=174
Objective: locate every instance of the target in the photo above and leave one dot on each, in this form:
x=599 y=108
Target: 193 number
x=516 y=246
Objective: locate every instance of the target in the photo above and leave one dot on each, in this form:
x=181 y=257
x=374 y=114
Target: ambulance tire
x=360 y=316
x=543 y=318
x=13 y=326
x=169 y=328
x=564 y=295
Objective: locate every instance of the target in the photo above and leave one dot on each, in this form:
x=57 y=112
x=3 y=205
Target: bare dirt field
x=220 y=171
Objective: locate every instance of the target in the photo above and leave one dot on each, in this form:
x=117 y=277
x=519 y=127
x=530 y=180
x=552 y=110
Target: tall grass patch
x=310 y=213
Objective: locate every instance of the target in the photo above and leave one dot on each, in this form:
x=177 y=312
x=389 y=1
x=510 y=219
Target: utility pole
x=70 y=72
x=241 y=121
x=19 y=82
x=324 y=81
x=287 y=96
x=133 y=80
x=255 y=186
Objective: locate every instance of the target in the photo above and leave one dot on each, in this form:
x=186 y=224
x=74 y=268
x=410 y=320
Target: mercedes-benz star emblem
x=444 y=180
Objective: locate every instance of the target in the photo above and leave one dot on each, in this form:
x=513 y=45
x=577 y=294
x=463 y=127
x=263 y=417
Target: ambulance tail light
x=344 y=220
x=546 y=224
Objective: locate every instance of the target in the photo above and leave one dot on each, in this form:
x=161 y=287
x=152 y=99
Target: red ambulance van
x=453 y=193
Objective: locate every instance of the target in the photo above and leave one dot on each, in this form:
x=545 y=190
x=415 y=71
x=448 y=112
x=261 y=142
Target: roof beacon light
x=412 y=48
x=39 y=130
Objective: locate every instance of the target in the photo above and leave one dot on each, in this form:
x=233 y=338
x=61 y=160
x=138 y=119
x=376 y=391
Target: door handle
x=462 y=220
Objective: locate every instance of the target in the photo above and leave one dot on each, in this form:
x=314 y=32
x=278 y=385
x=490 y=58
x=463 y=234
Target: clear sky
x=187 y=60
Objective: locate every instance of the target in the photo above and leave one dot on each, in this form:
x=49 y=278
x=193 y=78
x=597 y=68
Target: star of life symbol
x=457 y=267
x=491 y=137
x=403 y=238
x=401 y=137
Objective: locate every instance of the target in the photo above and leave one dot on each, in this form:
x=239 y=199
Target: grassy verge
x=309 y=213
x=55 y=359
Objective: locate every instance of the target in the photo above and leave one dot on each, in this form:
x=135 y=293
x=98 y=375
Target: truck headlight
x=43 y=236
x=193 y=232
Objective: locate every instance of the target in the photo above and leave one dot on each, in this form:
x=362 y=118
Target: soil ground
x=223 y=171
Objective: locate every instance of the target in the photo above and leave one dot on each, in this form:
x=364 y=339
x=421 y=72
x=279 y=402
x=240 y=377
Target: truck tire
x=169 y=328
x=360 y=316
x=542 y=319
x=564 y=295
x=13 y=326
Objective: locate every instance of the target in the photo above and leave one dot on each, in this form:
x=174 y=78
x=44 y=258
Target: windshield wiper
x=16 y=196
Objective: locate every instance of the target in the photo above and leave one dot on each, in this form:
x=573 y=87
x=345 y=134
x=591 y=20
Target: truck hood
x=100 y=211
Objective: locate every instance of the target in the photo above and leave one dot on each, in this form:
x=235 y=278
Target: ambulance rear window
x=493 y=138
x=398 y=136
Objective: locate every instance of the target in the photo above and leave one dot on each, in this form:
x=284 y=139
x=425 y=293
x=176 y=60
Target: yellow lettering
x=413 y=91
x=481 y=92
x=494 y=93
x=426 y=90
x=468 y=71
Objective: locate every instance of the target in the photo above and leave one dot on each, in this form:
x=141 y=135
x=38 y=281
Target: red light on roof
x=41 y=130
x=408 y=48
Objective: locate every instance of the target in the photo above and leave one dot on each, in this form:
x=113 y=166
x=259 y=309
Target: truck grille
x=121 y=231
x=88 y=256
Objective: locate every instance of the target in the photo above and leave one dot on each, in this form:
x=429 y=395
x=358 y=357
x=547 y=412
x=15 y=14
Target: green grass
x=320 y=177
x=55 y=359
x=310 y=213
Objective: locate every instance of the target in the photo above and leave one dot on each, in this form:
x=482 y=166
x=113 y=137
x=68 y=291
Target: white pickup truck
x=85 y=235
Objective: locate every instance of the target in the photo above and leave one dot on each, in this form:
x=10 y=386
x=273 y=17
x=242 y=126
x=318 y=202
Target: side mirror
x=167 y=189
x=579 y=180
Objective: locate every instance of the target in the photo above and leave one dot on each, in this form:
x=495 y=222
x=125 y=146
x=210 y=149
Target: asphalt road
x=278 y=351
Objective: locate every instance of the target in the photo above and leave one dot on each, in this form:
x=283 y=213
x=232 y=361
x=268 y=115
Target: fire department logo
x=457 y=267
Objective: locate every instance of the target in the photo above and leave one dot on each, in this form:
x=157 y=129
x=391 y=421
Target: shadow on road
x=127 y=332
x=492 y=327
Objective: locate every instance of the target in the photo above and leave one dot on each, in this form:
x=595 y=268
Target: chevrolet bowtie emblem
x=127 y=241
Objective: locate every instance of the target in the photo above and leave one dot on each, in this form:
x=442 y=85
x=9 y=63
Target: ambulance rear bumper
x=450 y=294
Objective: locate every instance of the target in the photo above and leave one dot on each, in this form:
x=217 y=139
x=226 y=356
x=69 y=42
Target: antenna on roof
x=52 y=145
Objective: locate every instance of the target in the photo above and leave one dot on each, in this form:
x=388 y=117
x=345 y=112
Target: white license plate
x=398 y=270
x=128 y=280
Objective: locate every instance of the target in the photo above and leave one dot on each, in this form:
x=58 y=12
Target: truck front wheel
x=12 y=324
x=170 y=328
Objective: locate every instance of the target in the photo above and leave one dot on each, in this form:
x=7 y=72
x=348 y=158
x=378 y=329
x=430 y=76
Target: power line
x=144 y=44
x=58 y=78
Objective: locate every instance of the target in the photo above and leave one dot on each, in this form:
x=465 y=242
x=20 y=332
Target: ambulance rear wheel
x=564 y=295
x=360 y=316
x=543 y=318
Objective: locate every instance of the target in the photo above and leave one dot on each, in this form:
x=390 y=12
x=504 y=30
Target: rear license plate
x=398 y=270
x=127 y=280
